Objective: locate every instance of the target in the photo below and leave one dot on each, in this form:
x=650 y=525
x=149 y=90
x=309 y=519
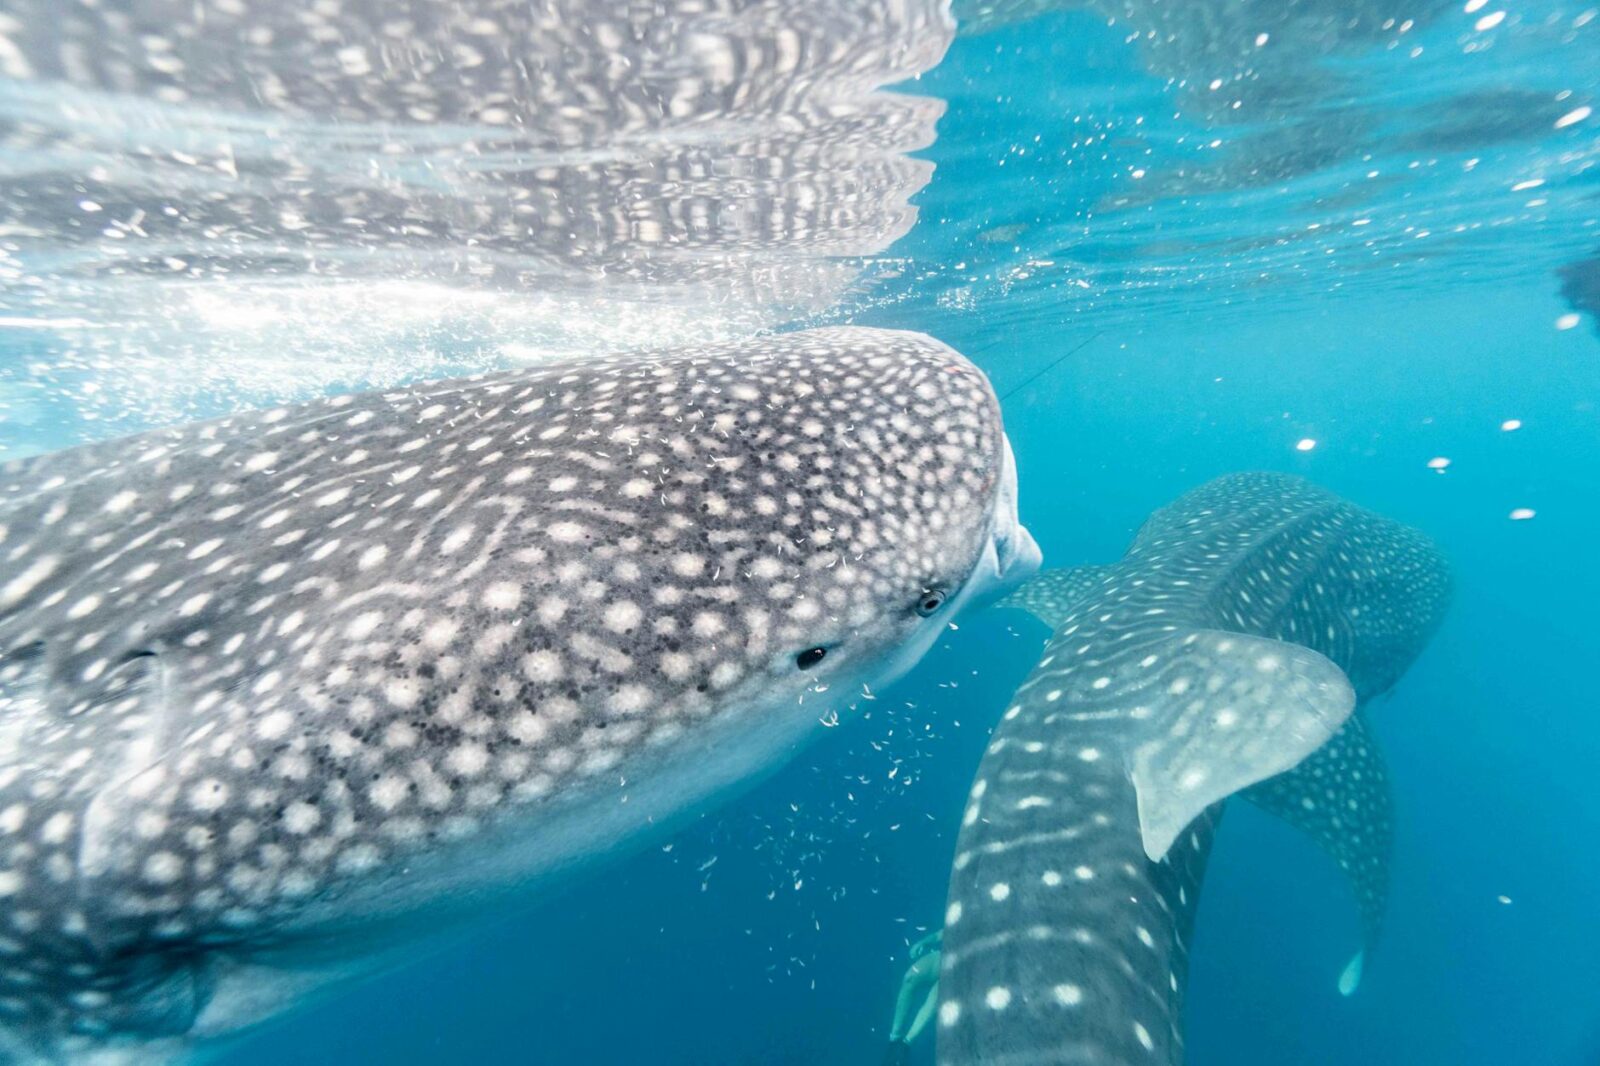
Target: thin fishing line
x=1063 y=358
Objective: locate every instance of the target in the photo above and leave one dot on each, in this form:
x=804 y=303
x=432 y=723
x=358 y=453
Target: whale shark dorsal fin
x=1050 y=595
x=1227 y=710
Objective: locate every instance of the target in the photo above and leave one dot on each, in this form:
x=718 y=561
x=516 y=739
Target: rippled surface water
x=1354 y=240
x=213 y=204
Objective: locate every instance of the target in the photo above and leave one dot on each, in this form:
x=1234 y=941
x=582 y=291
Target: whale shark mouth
x=1011 y=555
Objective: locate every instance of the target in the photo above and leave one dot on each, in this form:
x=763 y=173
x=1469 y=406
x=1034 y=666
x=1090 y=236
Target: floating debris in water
x=1567 y=321
x=1305 y=444
x=1504 y=899
x=1511 y=425
x=1439 y=463
x=1522 y=514
x=1573 y=117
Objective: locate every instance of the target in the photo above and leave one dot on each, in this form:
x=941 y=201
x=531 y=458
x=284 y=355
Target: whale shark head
x=876 y=521
x=973 y=550
x=281 y=672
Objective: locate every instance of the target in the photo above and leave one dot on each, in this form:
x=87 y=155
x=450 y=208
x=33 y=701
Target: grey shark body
x=330 y=668
x=1232 y=641
x=1338 y=796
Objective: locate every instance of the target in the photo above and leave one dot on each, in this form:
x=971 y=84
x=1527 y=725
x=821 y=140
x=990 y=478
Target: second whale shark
x=1232 y=641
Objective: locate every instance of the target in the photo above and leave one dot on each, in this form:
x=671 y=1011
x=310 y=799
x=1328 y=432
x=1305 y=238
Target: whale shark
x=1233 y=640
x=281 y=692
x=1338 y=796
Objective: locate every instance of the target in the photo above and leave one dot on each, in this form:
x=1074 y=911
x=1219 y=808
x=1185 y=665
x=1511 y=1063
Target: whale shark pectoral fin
x=1229 y=710
x=1051 y=595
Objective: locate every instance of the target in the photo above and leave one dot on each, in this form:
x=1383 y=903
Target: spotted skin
x=302 y=671
x=1339 y=795
x=1064 y=941
x=1051 y=595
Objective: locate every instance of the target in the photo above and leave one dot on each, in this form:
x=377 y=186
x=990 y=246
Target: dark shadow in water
x=1580 y=287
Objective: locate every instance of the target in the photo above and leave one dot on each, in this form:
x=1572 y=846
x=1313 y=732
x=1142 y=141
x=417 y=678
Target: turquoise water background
x=1214 y=313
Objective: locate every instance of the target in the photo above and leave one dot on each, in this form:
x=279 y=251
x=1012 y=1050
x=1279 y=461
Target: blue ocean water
x=1360 y=283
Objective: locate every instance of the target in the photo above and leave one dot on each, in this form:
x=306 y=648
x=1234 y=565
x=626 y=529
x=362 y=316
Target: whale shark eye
x=810 y=657
x=930 y=602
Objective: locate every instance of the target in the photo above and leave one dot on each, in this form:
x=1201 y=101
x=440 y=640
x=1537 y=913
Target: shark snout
x=1017 y=554
x=1018 y=557
x=1011 y=555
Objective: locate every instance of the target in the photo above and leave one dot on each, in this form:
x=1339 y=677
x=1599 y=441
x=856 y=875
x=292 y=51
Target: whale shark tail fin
x=1051 y=594
x=1350 y=978
x=1339 y=797
x=1215 y=712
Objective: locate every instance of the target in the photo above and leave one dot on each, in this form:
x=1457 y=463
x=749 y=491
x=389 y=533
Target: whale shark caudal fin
x=1211 y=712
x=1339 y=796
x=1050 y=595
x=1350 y=976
